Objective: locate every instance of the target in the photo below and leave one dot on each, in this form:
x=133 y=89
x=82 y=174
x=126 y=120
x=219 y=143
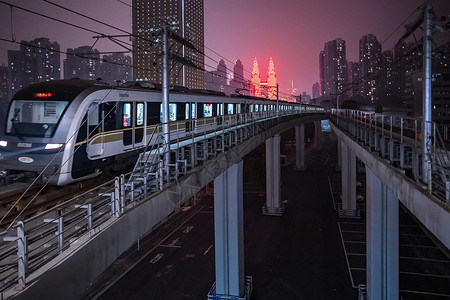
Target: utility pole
x=277 y=101
x=165 y=102
x=337 y=102
x=426 y=111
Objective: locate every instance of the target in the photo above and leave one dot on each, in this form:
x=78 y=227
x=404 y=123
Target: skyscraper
x=15 y=72
x=82 y=62
x=238 y=81
x=386 y=84
x=186 y=19
x=353 y=79
x=4 y=84
x=40 y=61
x=322 y=73
x=116 y=67
x=369 y=67
x=333 y=68
x=315 y=90
x=217 y=80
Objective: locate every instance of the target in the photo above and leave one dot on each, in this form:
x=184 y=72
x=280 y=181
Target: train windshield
x=33 y=118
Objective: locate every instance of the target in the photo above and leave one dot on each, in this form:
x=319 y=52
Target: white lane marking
x=188 y=228
x=172 y=244
x=157 y=257
x=207 y=250
x=346 y=257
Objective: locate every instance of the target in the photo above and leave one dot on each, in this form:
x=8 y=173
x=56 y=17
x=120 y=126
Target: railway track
x=16 y=205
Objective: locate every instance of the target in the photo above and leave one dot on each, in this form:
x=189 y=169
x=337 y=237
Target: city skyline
x=296 y=32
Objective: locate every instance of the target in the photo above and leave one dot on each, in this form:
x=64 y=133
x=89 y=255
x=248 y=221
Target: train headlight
x=53 y=146
x=3 y=143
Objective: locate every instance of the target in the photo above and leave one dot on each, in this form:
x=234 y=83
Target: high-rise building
x=82 y=62
x=217 y=80
x=40 y=61
x=15 y=72
x=322 y=73
x=315 y=90
x=370 y=57
x=440 y=88
x=186 y=19
x=238 y=81
x=4 y=87
x=305 y=98
x=385 y=83
x=4 y=84
x=407 y=60
x=353 y=79
x=116 y=67
x=333 y=70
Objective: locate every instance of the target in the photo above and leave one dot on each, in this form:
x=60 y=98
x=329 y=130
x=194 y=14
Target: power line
x=164 y=21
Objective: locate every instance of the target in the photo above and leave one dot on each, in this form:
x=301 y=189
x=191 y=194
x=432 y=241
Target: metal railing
x=33 y=243
x=405 y=139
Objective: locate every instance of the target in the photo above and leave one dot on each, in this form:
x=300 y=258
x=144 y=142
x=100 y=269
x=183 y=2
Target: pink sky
x=293 y=32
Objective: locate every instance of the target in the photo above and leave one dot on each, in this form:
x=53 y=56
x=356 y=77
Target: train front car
x=34 y=133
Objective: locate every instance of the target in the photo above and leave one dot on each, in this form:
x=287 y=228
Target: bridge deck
x=309 y=253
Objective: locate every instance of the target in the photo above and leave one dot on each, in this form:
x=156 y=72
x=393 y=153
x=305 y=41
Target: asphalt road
x=296 y=256
x=308 y=253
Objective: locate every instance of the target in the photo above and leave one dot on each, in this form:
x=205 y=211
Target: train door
x=133 y=124
x=96 y=139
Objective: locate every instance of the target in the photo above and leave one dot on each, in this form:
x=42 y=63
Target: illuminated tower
x=255 y=88
x=271 y=81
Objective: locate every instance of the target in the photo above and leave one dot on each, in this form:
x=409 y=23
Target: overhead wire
x=379 y=74
x=73 y=135
x=12 y=6
x=165 y=22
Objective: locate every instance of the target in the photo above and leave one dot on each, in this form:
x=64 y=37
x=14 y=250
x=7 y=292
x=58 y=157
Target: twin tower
x=257 y=85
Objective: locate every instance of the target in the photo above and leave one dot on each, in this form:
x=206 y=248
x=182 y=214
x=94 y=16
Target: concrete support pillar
x=229 y=232
x=300 y=147
x=273 y=204
x=382 y=240
x=317 y=132
x=348 y=182
x=339 y=156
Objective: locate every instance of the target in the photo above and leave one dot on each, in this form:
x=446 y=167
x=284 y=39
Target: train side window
x=200 y=110
x=172 y=112
x=230 y=109
x=126 y=115
x=93 y=119
x=109 y=113
x=207 y=110
x=139 y=114
x=193 y=111
x=181 y=111
x=153 y=113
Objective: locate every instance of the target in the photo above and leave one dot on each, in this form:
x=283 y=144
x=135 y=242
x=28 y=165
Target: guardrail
x=399 y=139
x=32 y=244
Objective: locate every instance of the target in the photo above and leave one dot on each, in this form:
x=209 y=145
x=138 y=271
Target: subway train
x=65 y=131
